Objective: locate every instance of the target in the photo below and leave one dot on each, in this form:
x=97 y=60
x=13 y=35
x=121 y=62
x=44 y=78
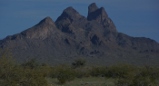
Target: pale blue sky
x=138 y=18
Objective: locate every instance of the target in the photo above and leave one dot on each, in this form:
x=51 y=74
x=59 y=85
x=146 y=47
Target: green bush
x=124 y=74
x=82 y=72
x=123 y=82
x=8 y=73
x=34 y=74
x=99 y=71
x=32 y=78
x=65 y=74
x=12 y=74
x=144 y=76
x=121 y=71
x=32 y=64
x=78 y=63
x=148 y=76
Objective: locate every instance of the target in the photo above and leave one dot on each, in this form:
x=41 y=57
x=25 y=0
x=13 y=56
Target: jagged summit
x=68 y=16
x=92 y=7
x=101 y=16
x=46 y=20
x=103 y=13
x=95 y=13
x=69 y=13
x=42 y=30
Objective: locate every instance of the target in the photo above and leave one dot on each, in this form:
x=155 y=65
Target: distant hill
x=74 y=36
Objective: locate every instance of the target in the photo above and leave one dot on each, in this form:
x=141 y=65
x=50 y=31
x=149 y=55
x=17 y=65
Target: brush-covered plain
x=31 y=73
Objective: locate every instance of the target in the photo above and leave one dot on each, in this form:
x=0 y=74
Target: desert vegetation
x=31 y=73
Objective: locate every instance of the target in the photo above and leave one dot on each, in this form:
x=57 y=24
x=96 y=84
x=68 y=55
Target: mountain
x=72 y=36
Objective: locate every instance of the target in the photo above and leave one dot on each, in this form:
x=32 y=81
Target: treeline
x=33 y=74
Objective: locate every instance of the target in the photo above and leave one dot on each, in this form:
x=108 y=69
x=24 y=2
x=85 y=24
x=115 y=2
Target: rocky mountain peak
x=101 y=16
x=95 y=13
x=92 y=7
x=42 y=30
x=46 y=20
x=72 y=35
x=68 y=16
x=69 y=13
x=103 y=12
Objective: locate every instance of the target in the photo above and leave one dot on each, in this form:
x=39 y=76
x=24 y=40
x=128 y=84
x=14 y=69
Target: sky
x=137 y=18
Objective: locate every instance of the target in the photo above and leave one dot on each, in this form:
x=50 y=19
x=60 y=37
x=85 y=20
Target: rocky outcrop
x=100 y=15
x=42 y=30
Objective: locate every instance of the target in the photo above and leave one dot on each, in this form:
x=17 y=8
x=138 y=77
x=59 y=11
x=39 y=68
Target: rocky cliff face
x=73 y=36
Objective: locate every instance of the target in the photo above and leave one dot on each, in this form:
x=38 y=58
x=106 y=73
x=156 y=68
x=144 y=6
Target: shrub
x=121 y=71
x=148 y=76
x=32 y=64
x=65 y=74
x=78 y=63
x=12 y=74
x=99 y=71
x=124 y=74
x=82 y=72
x=123 y=82
x=32 y=78
x=8 y=74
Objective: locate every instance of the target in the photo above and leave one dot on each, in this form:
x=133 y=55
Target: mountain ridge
x=94 y=38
